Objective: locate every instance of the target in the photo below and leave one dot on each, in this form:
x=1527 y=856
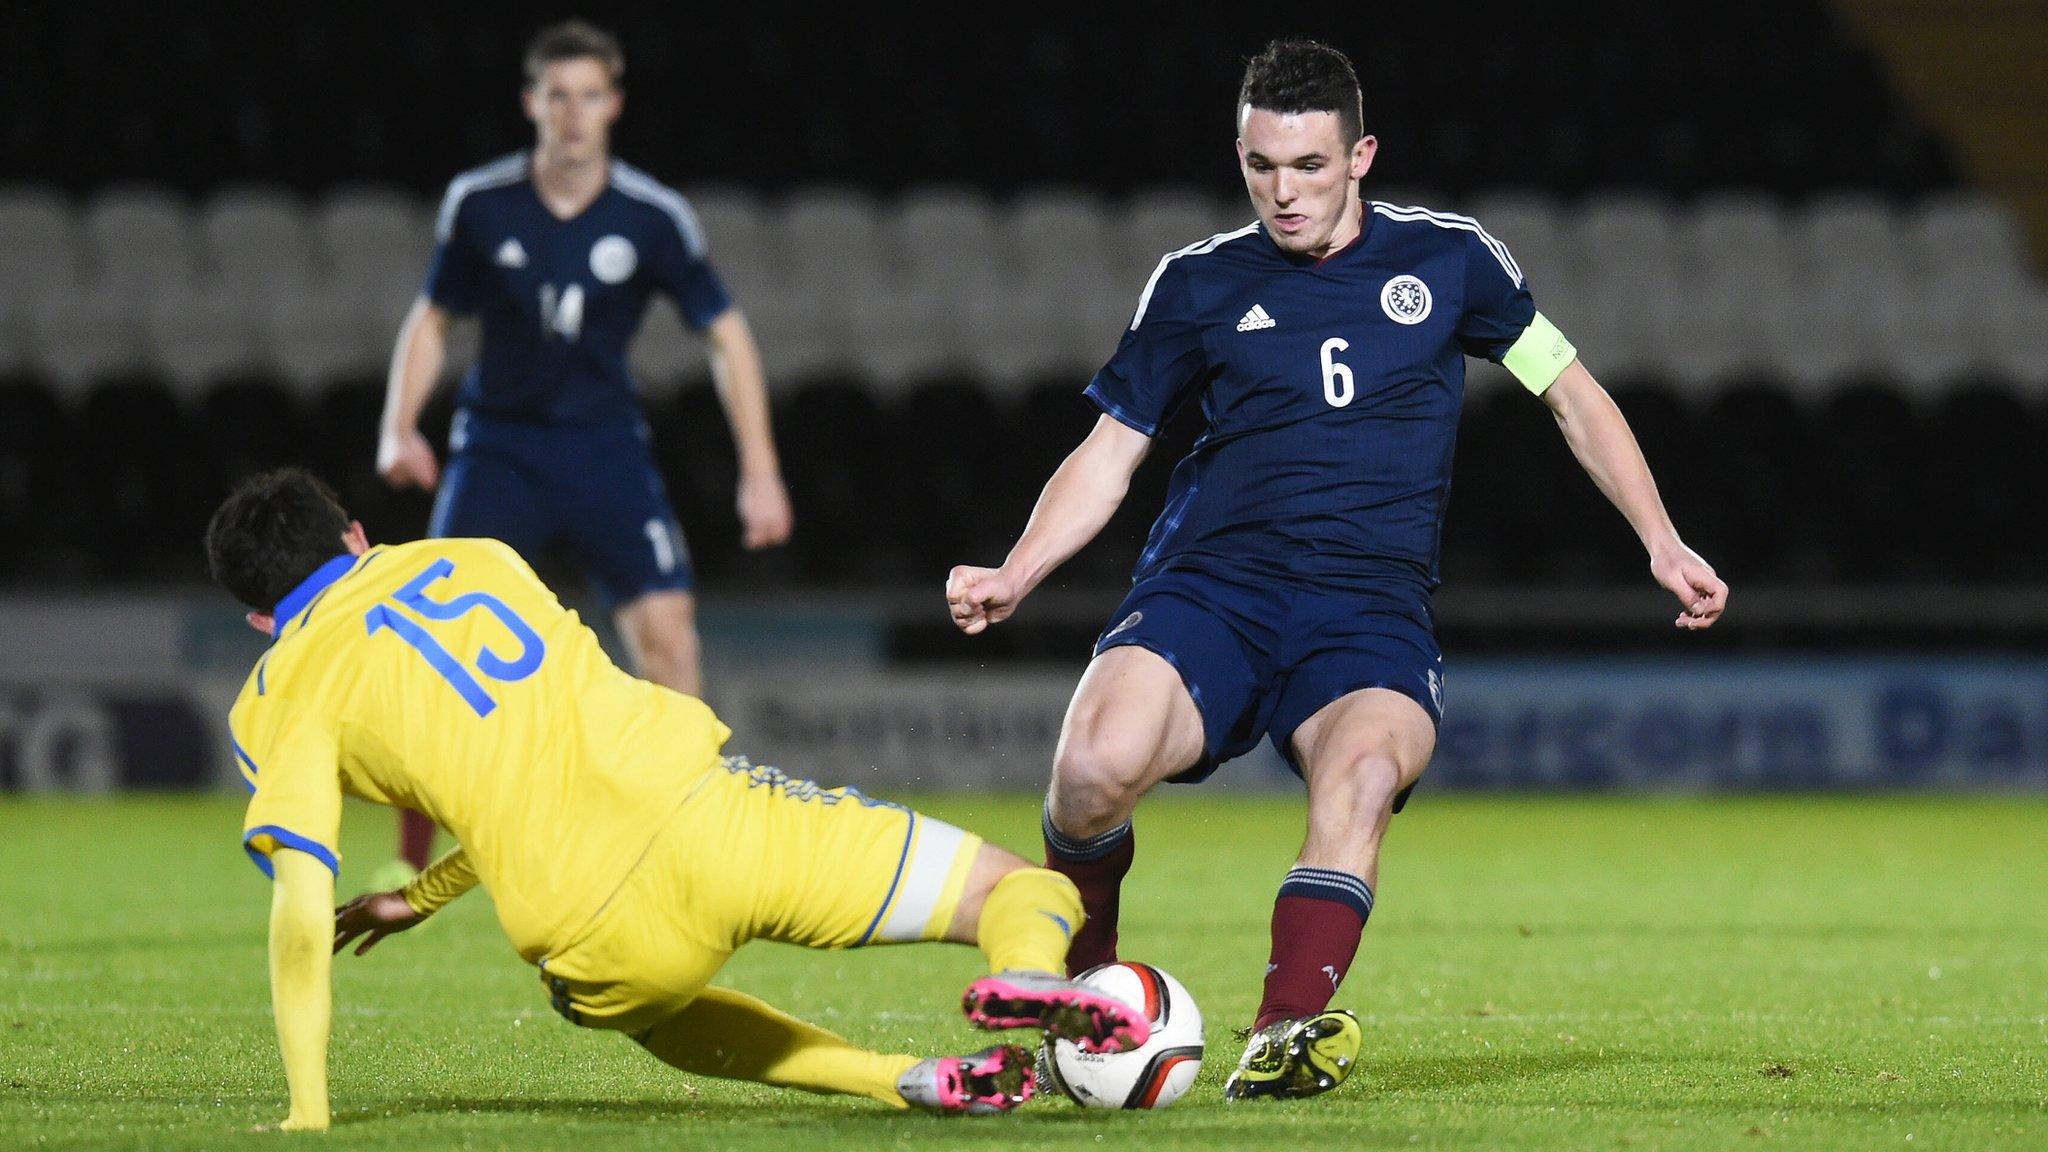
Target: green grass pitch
x=1562 y=973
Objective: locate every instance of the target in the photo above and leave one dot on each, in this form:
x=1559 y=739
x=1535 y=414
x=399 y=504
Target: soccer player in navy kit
x=1285 y=589
x=557 y=251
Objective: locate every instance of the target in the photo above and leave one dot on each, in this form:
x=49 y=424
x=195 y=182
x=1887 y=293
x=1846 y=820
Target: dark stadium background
x=1798 y=241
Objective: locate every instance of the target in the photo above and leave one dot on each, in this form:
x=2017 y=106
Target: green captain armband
x=1540 y=356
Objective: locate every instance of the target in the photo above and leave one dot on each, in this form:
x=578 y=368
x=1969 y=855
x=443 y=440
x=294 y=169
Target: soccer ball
x=1152 y=1076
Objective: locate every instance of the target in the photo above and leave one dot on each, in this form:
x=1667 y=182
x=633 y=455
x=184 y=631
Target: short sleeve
x=291 y=756
x=1498 y=307
x=456 y=274
x=1159 y=359
x=681 y=267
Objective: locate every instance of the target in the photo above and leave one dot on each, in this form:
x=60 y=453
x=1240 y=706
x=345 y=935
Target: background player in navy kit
x=558 y=251
x=1285 y=590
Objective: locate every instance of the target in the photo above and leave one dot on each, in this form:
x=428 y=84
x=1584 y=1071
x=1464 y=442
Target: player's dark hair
x=574 y=40
x=274 y=530
x=1293 y=76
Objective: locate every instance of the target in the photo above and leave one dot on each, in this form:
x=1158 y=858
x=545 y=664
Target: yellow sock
x=1028 y=920
x=734 y=1036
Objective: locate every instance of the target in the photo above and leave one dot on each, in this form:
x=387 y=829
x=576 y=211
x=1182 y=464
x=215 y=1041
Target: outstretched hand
x=1691 y=579
x=378 y=914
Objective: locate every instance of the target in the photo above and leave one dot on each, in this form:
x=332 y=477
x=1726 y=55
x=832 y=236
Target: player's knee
x=667 y=654
x=1099 y=771
x=1362 y=784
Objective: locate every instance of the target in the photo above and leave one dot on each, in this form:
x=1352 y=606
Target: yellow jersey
x=443 y=676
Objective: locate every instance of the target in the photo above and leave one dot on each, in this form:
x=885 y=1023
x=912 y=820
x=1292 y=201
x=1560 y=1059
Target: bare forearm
x=1077 y=502
x=1599 y=437
x=743 y=389
x=301 y=938
x=443 y=881
x=416 y=365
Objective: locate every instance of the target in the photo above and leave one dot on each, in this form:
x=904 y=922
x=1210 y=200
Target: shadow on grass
x=1393 y=1075
x=145 y=943
x=1727 y=931
x=792 y=1110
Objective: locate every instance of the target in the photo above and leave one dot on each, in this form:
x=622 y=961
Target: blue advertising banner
x=1758 y=723
x=1574 y=723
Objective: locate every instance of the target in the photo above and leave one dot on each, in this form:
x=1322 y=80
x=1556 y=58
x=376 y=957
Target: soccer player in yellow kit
x=626 y=857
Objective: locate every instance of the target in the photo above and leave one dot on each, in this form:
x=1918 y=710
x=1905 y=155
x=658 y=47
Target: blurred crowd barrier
x=139 y=700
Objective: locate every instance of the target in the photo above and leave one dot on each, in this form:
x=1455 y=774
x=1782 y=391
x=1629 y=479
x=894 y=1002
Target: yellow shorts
x=757 y=855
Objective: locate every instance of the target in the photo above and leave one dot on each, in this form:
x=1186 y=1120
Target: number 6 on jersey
x=1337 y=386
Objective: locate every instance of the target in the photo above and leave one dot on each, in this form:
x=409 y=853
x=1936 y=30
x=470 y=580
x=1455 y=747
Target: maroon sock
x=1097 y=867
x=1316 y=925
x=415 y=838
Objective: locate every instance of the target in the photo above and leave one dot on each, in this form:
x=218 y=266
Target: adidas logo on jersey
x=510 y=254
x=1255 y=319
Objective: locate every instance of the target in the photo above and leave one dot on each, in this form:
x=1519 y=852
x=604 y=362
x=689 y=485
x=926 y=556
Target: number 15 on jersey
x=414 y=596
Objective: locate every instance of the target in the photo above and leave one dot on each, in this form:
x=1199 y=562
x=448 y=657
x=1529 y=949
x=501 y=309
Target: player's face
x=572 y=107
x=1301 y=176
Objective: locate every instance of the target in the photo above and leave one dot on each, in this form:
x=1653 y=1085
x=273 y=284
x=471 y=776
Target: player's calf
x=1023 y=922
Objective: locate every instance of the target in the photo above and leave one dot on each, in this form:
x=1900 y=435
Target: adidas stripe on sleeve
x=1160 y=356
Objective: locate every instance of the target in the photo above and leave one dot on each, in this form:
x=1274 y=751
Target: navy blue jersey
x=1331 y=388
x=560 y=299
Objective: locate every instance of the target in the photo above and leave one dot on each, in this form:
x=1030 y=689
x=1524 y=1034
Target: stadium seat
x=248 y=424
x=83 y=333
x=1066 y=306
x=2021 y=326
x=831 y=431
x=1985 y=447
x=950 y=252
x=700 y=464
x=1844 y=319
x=39 y=245
x=837 y=257
x=1667 y=427
x=197 y=332
x=37 y=496
x=257 y=242
x=1757 y=441
x=950 y=437
x=1846 y=235
x=1968 y=234
x=1867 y=476
x=744 y=235
x=136 y=454
x=1623 y=319
x=370 y=235
x=1738 y=233
x=1162 y=220
x=1480 y=518
x=1050 y=417
x=342 y=436
x=315 y=336
x=1535 y=232
x=141 y=239
x=1624 y=235
x=664 y=350
x=799 y=338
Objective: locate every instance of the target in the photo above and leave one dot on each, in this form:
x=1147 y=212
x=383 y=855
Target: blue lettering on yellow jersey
x=444 y=677
x=560 y=300
x=1331 y=390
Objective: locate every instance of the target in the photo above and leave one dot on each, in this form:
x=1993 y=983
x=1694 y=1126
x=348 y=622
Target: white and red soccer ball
x=1151 y=1076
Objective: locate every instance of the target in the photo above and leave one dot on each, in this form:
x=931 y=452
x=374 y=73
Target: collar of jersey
x=301 y=598
x=1365 y=215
